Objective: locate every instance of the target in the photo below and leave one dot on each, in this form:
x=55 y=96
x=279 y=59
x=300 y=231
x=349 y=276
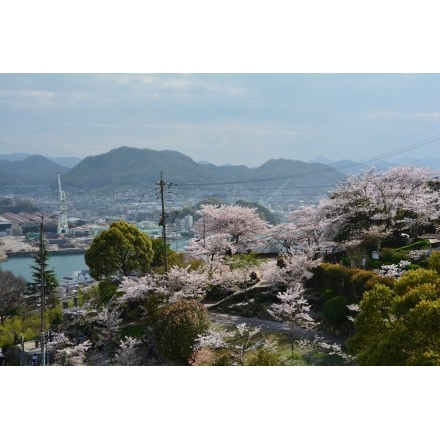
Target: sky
x=223 y=118
x=271 y=84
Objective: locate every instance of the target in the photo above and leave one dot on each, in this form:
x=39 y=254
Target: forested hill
x=33 y=170
x=135 y=167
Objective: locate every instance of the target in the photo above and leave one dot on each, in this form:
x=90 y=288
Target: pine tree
x=49 y=277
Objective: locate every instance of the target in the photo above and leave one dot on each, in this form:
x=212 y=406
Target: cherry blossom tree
x=293 y=309
x=186 y=283
x=66 y=352
x=127 y=354
x=211 y=250
x=242 y=224
x=394 y=200
x=296 y=268
x=314 y=348
x=236 y=344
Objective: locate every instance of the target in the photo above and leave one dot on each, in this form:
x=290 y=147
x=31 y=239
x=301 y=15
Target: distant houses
x=76 y=278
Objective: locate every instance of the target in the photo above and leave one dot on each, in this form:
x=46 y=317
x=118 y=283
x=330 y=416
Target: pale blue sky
x=223 y=118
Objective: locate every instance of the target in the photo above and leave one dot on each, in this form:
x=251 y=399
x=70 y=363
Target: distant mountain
x=14 y=156
x=33 y=170
x=126 y=167
x=350 y=167
x=67 y=162
x=321 y=159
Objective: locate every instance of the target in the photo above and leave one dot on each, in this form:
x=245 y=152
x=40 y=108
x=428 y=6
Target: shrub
x=386 y=255
x=331 y=276
x=335 y=310
x=400 y=255
x=422 y=244
x=434 y=261
x=179 y=324
x=264 y=357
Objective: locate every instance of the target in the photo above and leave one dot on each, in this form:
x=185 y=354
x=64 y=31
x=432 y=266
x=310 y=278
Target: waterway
x=63 y=265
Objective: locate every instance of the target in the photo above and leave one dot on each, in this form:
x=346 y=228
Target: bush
x=422 y=244
x=179 y=324
x=400 y=255
x=264 y=357
x=331 y=276
x=434 y=261
x=326 y=295
x=386 y=255
x=27 y=326
x=335 y=310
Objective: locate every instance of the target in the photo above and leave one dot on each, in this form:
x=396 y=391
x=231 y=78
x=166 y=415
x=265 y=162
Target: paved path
x=273 y=326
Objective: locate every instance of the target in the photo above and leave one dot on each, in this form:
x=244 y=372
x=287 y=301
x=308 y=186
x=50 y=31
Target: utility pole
x=176 y=214
x=42 y=300
x=162 y=222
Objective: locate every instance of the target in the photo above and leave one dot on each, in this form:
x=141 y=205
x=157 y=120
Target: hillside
x=33 y=170
x=67 y=162
x=130 y=167
x=136 y=168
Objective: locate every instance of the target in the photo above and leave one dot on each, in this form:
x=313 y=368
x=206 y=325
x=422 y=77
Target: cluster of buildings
x=25 y=222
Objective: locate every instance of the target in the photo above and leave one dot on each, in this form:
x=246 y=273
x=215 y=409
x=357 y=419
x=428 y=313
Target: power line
x=412 y=146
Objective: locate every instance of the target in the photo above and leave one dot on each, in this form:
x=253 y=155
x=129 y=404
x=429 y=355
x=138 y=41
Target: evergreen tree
x=49 y=279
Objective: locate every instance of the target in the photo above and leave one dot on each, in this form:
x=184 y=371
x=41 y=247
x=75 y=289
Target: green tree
x=50 y=281
x=178 y=327
x=434 y=261
x=400 y=325
x=119 y=251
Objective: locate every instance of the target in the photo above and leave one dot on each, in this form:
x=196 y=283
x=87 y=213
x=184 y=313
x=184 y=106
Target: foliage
x=55 y=315
x=174 y=258
x=417 y=245
x=400 y=325
x=265 y=357
x=12 y=290
x=49 y=279
x=434 y=261
x=179 y=324
x=27 y=326
x=244 y=261
x=119 y=251
x=326 y=295
x=335 y=310
x=348 y=282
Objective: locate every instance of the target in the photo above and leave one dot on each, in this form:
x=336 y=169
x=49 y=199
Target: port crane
x=63 y=226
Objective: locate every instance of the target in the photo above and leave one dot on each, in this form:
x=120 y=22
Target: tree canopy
x=400 y=325
x=50 y=281
x=119 y=251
